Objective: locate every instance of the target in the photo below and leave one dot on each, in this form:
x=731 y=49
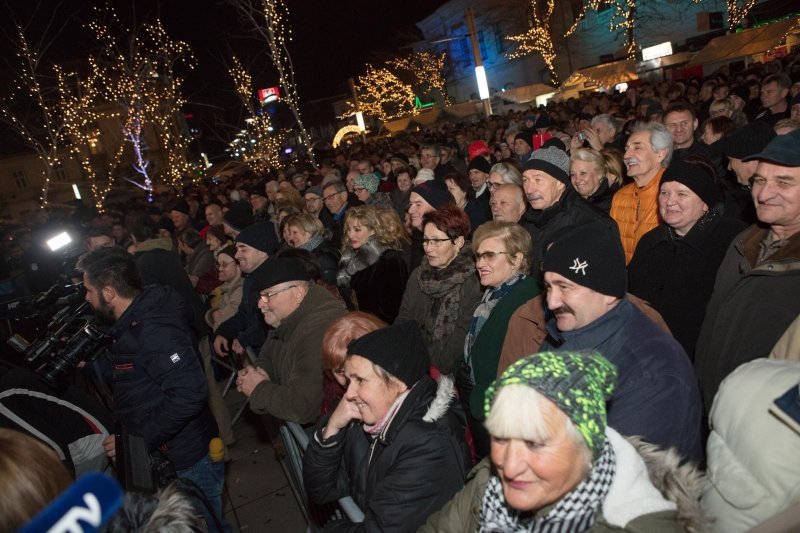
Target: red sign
x=270 y=94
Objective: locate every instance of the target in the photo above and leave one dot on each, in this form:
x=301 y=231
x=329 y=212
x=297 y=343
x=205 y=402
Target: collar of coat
x=785 y=259
x=311 y=301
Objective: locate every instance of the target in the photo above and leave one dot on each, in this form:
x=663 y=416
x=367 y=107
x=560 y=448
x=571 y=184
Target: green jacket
x=633 y=503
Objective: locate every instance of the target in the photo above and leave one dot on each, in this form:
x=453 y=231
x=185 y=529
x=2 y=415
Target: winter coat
x=788 y=347
x=379 y=288
x=418 y=306
x=753 y=465
x=229 y=300
x=400 y=201
x=656 y=394
x=650 y=493
x=544 y=225
x=676 y=275
x=292 y=356
x=247 y=324
x=159 y=265
x=527 y=329
x=159 y=387
x=751 y=307
x=327 y=257
x=478 y=210
x=398 y=478
x=635 y=210
x=200 y=261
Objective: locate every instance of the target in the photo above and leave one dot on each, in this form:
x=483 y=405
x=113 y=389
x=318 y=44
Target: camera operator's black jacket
x=160 y=390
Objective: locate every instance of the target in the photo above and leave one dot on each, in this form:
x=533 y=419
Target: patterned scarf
x=354 y=261
x=313 y=243
x=443 y=286
x=490 y=299
x=573 y=513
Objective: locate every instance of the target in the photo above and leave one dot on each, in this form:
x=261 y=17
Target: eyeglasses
x=220 y=265
x=489 y=255
x=332 y=195
x=265 y=296
x=359 y=189
x=492 y=185
x=434 y=242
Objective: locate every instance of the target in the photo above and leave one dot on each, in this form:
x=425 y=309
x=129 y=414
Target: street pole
x=359 y=116
x=476 y=54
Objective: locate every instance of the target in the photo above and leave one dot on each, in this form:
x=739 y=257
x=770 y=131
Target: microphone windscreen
x=85 y=506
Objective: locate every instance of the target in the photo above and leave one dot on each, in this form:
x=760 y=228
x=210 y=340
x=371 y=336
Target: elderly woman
x=306 y=232
x=502 y=173
x=395 y=441
x=556 y=466
x=338 y=336
x=675 y=264
x=372 y=270
x=502 y=252
x=444 y=290
x=587 y=172
x=365 y=188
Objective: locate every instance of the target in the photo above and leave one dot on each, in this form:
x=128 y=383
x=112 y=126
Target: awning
x=745 y=43
x=427 y=117
x=605 y=75
x=523 y=95
x=395 y=126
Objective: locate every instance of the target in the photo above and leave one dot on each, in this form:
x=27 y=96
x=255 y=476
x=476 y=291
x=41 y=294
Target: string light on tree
x=382 y=94
x=424 y=70
x=538 y=38
x=736 y=14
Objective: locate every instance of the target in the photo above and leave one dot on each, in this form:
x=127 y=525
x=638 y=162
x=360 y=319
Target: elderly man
x=335 y=198
x=286 y=379
x=774 y=90
x=756 y=291
x=635 y=206
x=180 y=214
x=656 y=395
x=254 y=245
x=555 y=205
x=508 y=203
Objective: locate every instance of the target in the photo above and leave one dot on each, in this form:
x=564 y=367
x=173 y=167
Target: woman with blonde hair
x=306 y=232
x=587 y=172
x=372 y=270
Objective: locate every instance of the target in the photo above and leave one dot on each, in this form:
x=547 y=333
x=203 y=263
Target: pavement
x=257 y=495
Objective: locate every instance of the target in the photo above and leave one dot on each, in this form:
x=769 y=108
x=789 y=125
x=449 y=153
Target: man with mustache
x=635 y=206
x=656 y=394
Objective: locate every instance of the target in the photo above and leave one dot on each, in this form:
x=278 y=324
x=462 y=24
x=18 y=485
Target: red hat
x=478 y=148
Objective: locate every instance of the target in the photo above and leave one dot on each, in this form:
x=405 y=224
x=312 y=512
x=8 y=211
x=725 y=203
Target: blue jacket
x=656 y=394
x=160 y=390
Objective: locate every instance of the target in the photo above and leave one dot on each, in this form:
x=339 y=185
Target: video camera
x=58 y=346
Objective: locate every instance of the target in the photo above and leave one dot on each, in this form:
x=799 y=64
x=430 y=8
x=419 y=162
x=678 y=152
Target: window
x=20 y=180
x=482 y=45
x=499 y=38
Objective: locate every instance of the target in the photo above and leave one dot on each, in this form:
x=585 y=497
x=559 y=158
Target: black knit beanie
x=399 y=349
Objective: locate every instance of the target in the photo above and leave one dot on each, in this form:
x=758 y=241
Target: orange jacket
x=635 y=211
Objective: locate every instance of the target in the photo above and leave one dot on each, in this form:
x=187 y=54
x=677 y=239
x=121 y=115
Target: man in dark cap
x=757 y=286
x=181 y=216
x=522 y=146
x=238 y=216
x=656 y=395
x=286 y=379
x=254 y=245
x=554 y=203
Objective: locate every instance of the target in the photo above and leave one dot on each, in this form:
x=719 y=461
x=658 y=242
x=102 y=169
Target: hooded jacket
x=401 y=476
x=650 y=493
x=160 y=390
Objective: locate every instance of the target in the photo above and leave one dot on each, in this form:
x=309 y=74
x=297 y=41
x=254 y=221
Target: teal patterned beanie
x=579 y=383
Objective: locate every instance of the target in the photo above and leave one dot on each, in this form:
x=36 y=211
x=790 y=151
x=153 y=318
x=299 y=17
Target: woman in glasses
x=372 y=270
x=502 y=252
x=365 y=188
x=443 y=291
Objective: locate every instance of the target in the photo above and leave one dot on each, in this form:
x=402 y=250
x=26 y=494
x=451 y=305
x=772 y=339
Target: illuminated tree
x=736 y=14
x=425 y=70
x=382 y=94
x=260 y=144
x=538 y=38
x=269 y=20
x=32 y=111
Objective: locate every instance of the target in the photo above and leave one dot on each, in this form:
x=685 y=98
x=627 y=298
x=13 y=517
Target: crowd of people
x=496 y=325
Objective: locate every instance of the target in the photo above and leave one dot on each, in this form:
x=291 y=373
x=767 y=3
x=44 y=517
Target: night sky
x=332 y=40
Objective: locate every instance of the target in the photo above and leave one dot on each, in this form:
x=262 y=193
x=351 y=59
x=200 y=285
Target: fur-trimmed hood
x=649 y=480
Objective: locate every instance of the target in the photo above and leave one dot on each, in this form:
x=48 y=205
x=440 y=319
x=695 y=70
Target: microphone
x=84 y=507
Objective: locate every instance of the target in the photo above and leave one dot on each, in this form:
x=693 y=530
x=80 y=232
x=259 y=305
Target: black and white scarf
x=354 y=261
x=573 y=513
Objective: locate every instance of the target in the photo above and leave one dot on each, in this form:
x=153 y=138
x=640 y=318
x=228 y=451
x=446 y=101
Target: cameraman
x=159 y=389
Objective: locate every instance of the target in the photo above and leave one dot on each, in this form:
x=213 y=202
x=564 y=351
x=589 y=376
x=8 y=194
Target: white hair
x=508 y=173
x=660 y=138
x=605 y=119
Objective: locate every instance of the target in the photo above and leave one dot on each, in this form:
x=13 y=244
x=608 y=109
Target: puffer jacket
x=650 y=493
x=635 y=210
x=160 y=390
x=400 y=477
x=752 y=477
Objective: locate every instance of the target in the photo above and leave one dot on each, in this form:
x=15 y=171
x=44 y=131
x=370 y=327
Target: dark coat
x=247 y=324
x=327 y=257
x=656 y=394
x=601 y=198
x=676 y=275
x=478 y=210
x=544 y=225
x=401 y=476
x=379 y=288
x=200 y=261
x=751 y=307
x=160 y=390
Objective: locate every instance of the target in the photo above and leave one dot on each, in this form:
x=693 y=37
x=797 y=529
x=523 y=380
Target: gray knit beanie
x=551 y=160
